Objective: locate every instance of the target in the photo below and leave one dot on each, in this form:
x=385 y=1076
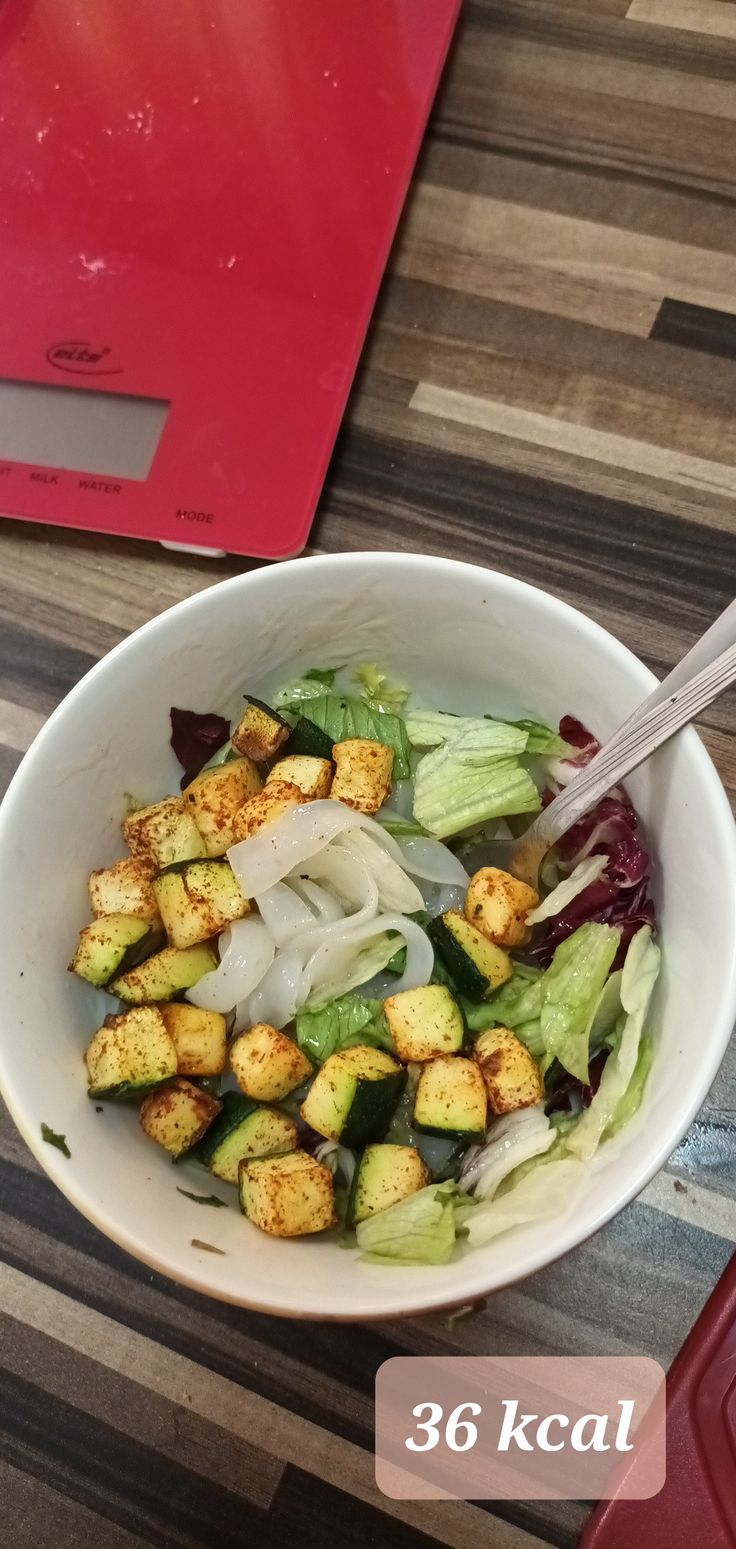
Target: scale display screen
x=114 y=435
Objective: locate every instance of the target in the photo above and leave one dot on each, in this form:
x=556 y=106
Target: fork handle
x=716 y=639
x=645 y=731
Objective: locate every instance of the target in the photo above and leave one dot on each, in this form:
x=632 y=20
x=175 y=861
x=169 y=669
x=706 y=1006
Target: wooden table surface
x=549 y=389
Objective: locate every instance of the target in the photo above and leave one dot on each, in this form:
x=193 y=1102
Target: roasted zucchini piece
x=260 y=732
x=165 y=975
x=510 y=1072
x=177 y=1116
x=264 y=808
x=125 y=888
x=362 y=773
x=385 y=1174
x=353 y=1096
x=309 y=739
x=267 y=1064
x=216 y=795
x=451 y=1099
x=165 y=832
x=476 y=965
x=129 y=1054
x=244 y=1129
x=497 y=903
x=287 y=1196
x=424 y=1023
x=197 y=899
x=312 y=775
x=200 y=1038
x=112 y=945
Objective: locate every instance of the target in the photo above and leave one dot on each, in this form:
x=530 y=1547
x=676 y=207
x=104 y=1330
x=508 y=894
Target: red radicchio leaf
x=195 y=738
x=569 y=1086
x=580 y=738
x=606 y=904
x=610 y=829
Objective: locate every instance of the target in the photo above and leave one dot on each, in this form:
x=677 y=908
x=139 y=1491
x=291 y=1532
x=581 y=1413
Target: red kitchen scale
x=197 y=200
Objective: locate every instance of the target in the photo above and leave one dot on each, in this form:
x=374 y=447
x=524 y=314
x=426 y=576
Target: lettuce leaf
x=341 y=1023
x=400 y=828
x=543 y=1193
x=341 y=717
x=418 y=1230
x=452 y=793
x=517 y=1001
x=623 y=1078
x=437 y=728
x=572 y=987
x=585 y=872
x=543 y=741
x=378 y=691
x=324 y=675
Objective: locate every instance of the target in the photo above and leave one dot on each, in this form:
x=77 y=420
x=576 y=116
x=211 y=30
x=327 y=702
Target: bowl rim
x=401 y=1304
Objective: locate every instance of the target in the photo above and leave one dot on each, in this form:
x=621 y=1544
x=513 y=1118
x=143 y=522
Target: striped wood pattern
x=548 y=388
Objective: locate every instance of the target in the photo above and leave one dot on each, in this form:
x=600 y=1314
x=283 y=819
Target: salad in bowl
x=330 y=995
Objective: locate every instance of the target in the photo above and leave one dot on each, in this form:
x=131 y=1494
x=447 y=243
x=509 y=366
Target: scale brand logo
x=82 y=358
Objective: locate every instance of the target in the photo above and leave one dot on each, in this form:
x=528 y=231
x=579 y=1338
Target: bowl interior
x=466 y=640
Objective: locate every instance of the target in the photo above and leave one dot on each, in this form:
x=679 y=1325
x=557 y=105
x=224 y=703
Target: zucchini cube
x=353 y=1097
x=177 y=1116
x=129 y=1054
x=125 y=888
x=362 y=773
x=260 y=732
x=287 y=1196
x=511 y=1074
x=243 y=1130
x=424 y=1023
x=312 y=775
x=476 y=964
x=197 y=899
x=112 y=945
x=385 y=1174
x=267 y=1064
x=451 y=1099
x=200 y=1038
x=165 y=975
x=258 y=811
x=165 y=832
x=497 y=904
x=215 y=796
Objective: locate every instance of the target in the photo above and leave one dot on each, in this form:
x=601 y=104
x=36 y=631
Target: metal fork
x=704 y=673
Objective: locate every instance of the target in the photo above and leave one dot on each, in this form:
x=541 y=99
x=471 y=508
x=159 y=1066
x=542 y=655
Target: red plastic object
x=197 y=201
x=697 y=1507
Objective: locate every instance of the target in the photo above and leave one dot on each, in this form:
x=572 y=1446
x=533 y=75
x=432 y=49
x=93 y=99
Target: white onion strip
x=333 y=954
x=279 y=994
x=396 y=891
x=294 y=837
x=248 y=953
x=432 y=860
x=284 y=913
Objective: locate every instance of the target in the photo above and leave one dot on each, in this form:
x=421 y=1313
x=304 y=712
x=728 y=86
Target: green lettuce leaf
x=451 y=793
x=324 y=675
x=378 y=691
x=572 y=987
x=340 y=716
x=341 y=1023
x=401 y=828
x=623 y=1078
x=543 y=1192
x=543 y=741
x=517 y=1001
x=418 y=1230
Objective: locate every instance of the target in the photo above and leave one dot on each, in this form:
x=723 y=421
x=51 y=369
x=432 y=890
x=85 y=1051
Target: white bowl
x=466 y=639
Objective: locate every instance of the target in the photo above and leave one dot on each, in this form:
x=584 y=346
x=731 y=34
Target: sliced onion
x=279 y=993
x=284 y=913
x=430 y=859
x=401 y=800
x=349 y=876
x=293 y=837
x=325 y=905
x=438 y=897
x=248 y=952
x=334 y=955
x=511 y=1140
x=395 y=889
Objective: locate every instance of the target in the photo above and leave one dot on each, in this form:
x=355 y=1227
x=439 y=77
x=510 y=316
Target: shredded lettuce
x=378 y=691
x=543 y=1192
x=343 y=1022
x=543 y=741
x=622 y=1082
x=370 y=960
x=342 y=717
x=517 y=1001
x=585 y=872
x=400 y=828
x=418 y=1230
x=452 y=794
x=475 y=734
x=572 y=987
